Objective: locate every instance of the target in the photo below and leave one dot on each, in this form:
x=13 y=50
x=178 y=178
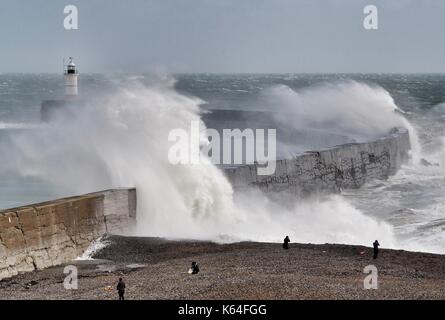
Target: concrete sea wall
x=46 y=234
x=330 y=170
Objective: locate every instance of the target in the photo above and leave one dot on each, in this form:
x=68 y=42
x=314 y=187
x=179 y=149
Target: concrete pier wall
x=46 y=234
x=344 y=166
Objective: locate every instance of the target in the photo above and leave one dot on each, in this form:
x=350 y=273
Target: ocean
x=82 y=154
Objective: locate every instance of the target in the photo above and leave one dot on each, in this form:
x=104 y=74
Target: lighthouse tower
x=50 y=108
x=71 y=75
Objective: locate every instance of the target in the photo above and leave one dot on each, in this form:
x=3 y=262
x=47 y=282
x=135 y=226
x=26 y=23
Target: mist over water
x=356 y=110
x=120 y=140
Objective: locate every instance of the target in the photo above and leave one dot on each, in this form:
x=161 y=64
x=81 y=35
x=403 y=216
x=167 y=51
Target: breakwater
x=46 y=234
x=329 y=170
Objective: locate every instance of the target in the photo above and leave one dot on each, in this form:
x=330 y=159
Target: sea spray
x=95 y=246
x=120 y=140
x=353 y=109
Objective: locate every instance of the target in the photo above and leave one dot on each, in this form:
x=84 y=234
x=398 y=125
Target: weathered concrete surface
x=54 y=232
x=344 y=166
x=119 y=210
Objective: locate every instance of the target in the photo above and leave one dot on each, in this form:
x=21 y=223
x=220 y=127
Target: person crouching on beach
x=194 y=268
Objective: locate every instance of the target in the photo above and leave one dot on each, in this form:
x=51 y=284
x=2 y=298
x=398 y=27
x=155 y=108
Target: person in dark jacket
x=376 y=245
x=286 y=243
x=121 y=289
x=194 y=268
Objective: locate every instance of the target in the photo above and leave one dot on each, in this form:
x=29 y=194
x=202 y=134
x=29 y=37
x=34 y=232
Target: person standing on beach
x=121 y=289
x=286 y=243
x=376 y=245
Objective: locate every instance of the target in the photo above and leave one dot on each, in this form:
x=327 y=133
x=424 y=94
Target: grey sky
x=223 y=36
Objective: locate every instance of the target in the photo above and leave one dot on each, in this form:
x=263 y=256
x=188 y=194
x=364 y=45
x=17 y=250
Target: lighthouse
x=50 y=108
x=71 y=74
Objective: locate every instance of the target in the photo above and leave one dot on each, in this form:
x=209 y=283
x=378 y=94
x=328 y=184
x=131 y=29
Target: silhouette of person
x=376 y=245
x=286 y=243
x=121 y=289
x=194 y=268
